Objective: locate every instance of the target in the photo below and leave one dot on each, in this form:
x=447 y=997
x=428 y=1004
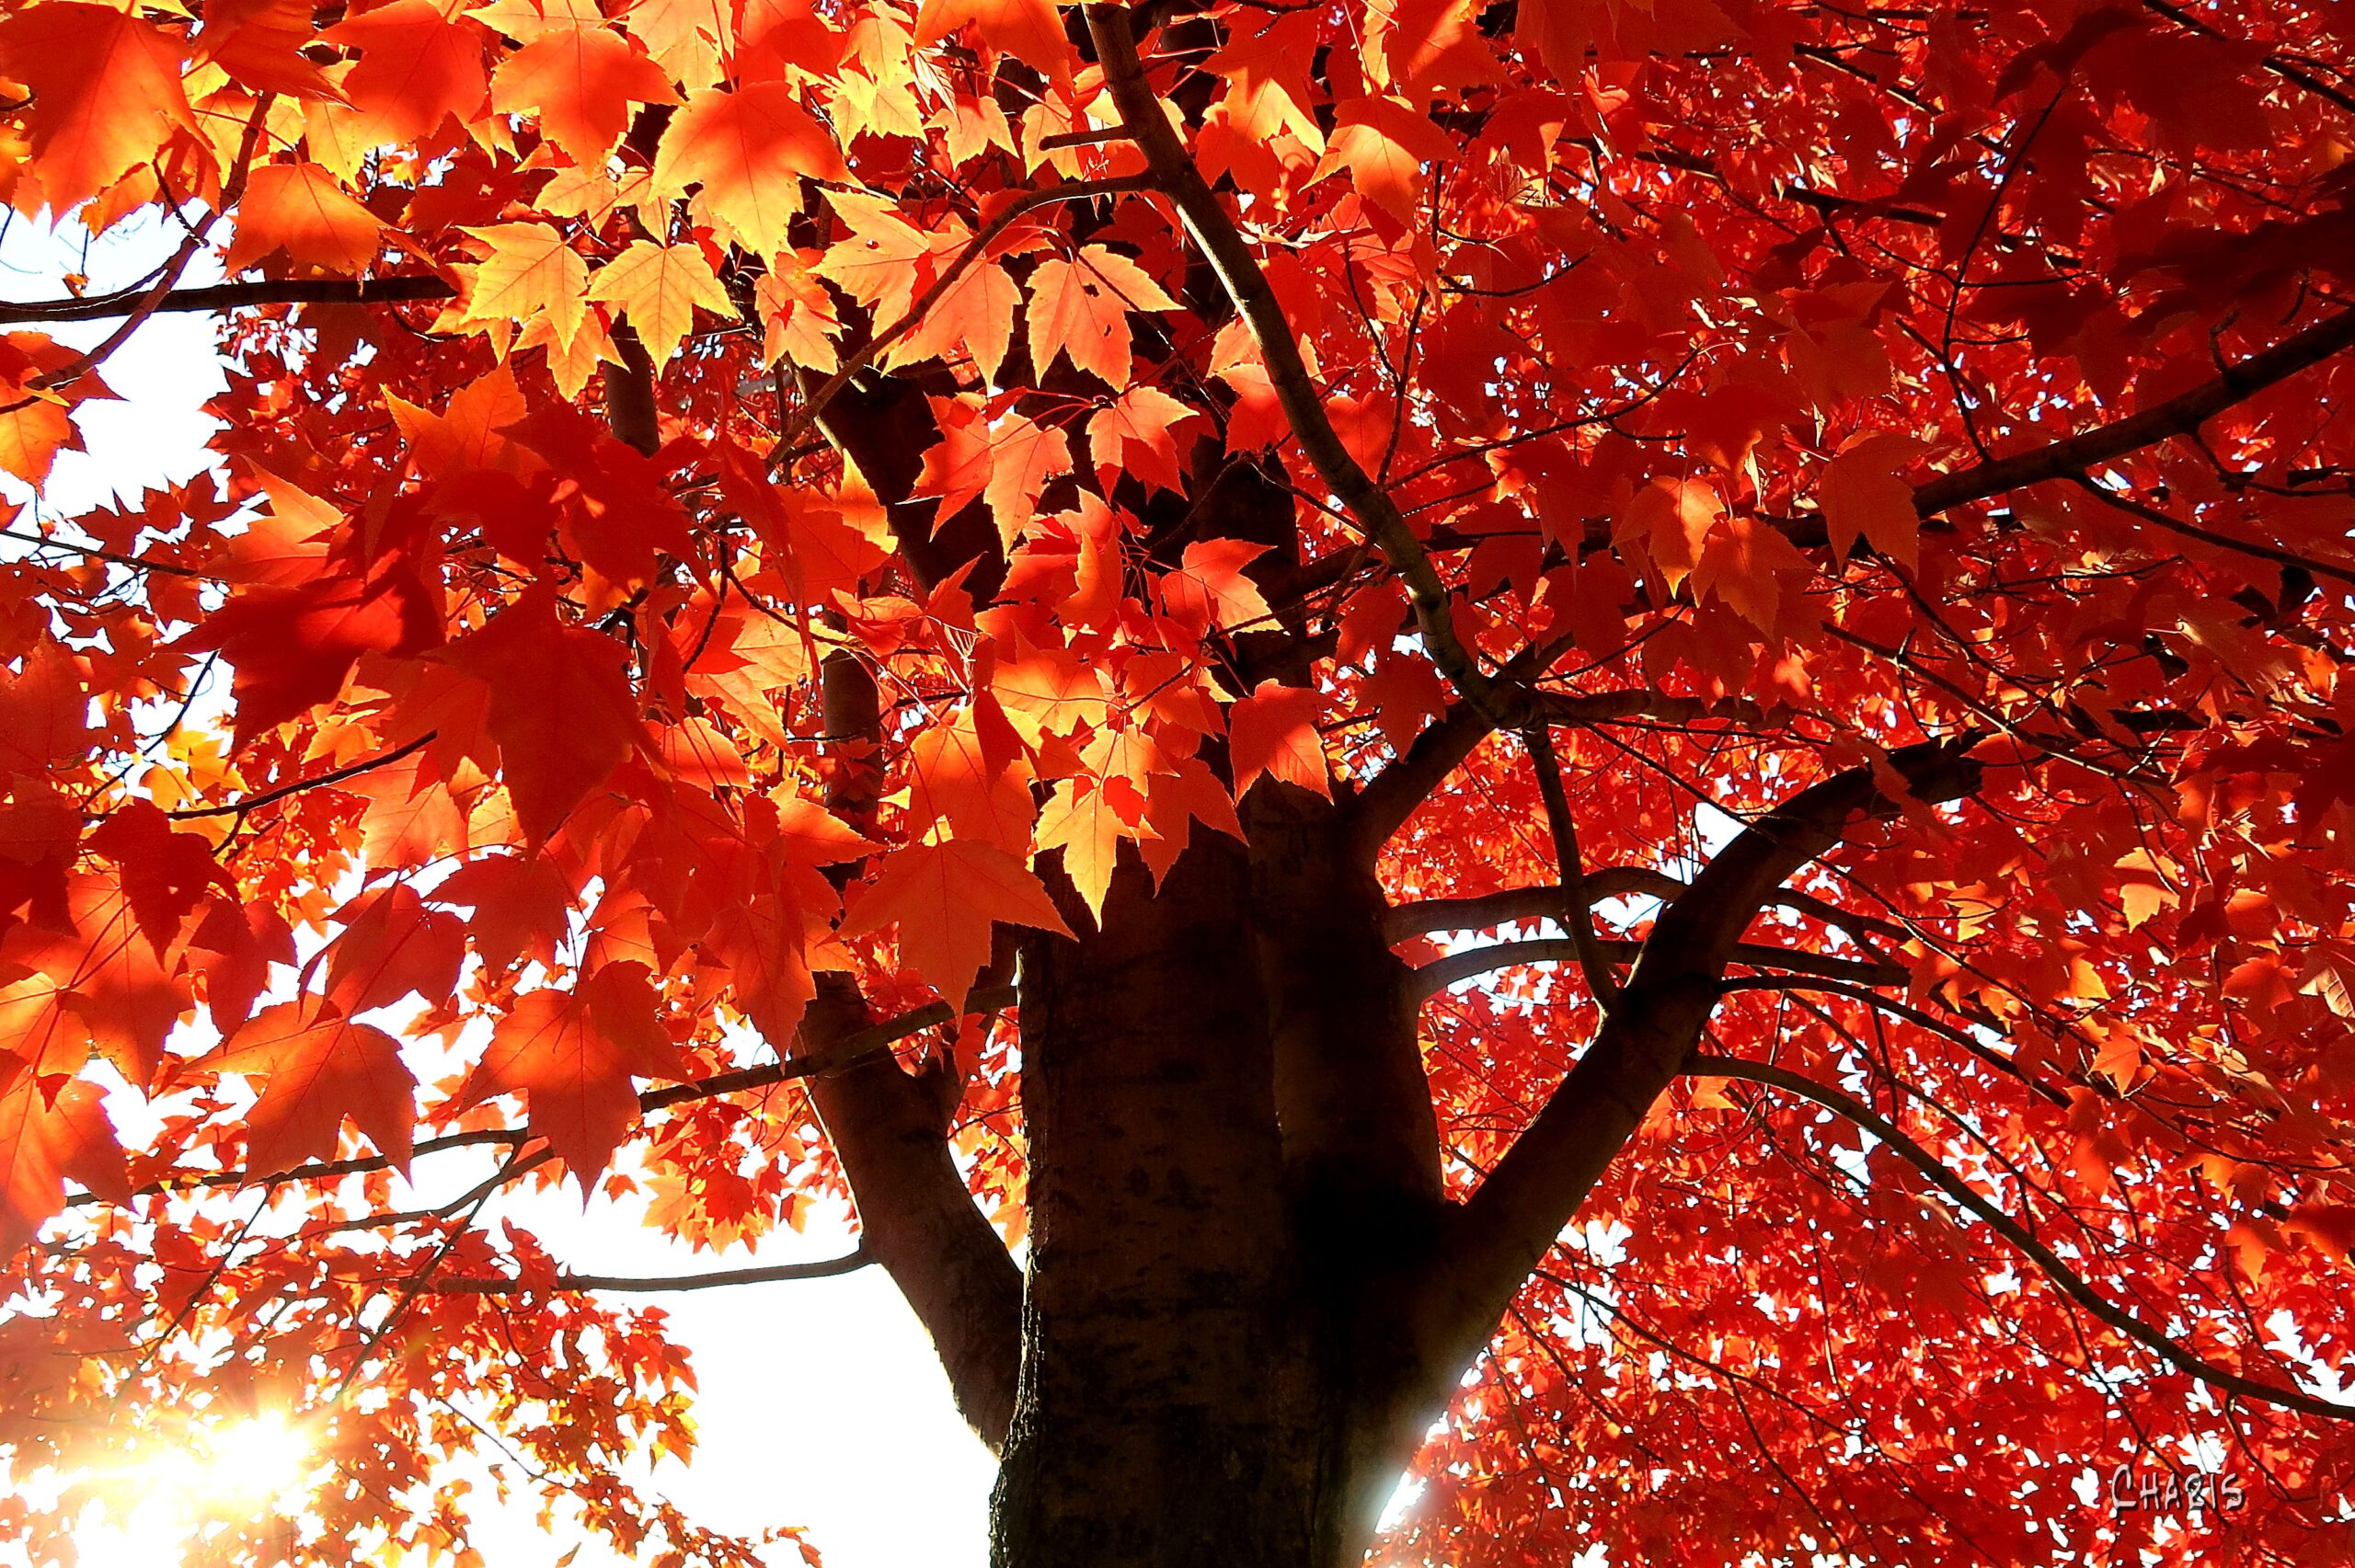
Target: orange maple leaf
x=1861 y=495
x=318 y=1067
x=35 y=426
x=1080 y=308
x=293 y=647
x=105 y=92
x=1209 y=589
x=659 y=286
x=877 y=261
x=1007 y=461
x=300 y=209
x=531 y=272
x=980 y=792
x=1027 y=30
x=1743 y=564
x=393 y=946
x=259 y=42
x=1669 y=519
x=574 y=1056
x=417 y=68
x=561 y=708
x=44 y=711
x=944 y=897
x=46 y=1138
x=1083 y=819
x=1383 y=145
x=1137 y=433
x=102 y=983
x=1272 y=732
x=749 y=150
x=579 y=82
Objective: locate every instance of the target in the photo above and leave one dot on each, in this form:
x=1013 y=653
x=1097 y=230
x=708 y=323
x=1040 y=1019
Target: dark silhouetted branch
x=1177 y=176
x=238 y=296
x=770 y=1274
x=1516 y=1214
x=2066 y=1279
x=1440 y=973
x=319 y=781
x=2178 y=416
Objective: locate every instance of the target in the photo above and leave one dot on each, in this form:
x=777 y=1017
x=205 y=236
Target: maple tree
x=1591 y=748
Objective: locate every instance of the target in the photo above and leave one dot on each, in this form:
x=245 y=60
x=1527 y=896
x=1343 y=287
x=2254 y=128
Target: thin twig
x=332 y=776
x=1176 y=175
x=2179 y=414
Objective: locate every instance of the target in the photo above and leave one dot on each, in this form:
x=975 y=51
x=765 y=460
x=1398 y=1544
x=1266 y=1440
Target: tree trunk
x=1165 y=1412
x=1231 y=1182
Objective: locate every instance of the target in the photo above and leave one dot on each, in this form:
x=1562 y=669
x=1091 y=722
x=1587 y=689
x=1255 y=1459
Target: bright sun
x=254 y=1460
x=148 y=1508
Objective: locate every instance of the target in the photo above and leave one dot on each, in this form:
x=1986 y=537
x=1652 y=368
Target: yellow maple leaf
x=530 y=274
x=658 y=287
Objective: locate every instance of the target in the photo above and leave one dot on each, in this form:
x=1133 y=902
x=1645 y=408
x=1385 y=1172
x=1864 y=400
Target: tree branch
x=237 y=296
x=847 y=1052
x=818 y=397
x=2278 y=64
x=1382 y=808
x=1484 y=912
x=1440 y=973
x=1517 y=1213
x=1577 y=909
x=154 y=294
x=631 y=409
x=890 y=1127
x=2179 y=414
x=317 y=780
x=1920 y=1020
x=2066 y=1279
x=43 y=541
x=825 y=1268
x=1177 y=176
x=1390 y=796
x=2189 y=530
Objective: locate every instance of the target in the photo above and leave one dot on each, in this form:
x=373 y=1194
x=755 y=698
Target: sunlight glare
x=149 y=1535
x=256 y=1459
x=147 y=1510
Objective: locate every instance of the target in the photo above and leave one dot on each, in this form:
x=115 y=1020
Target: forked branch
x=1517 y=1213
x=1577 y=910
x=1392 y=796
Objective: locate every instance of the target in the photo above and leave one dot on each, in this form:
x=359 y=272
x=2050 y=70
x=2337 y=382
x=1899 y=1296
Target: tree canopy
x=1798 y=551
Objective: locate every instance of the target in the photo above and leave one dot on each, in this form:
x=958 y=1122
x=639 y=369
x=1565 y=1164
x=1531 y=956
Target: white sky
x=821 y=1403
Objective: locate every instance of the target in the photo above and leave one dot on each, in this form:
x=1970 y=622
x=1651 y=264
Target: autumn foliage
x=1735 y=606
